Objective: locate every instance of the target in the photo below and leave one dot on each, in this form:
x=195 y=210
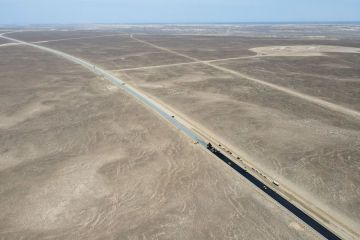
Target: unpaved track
x=79 y=38
x=156 y=66
x=8 y=44
x=312 y=99
x=184 y=63
x=233 y=58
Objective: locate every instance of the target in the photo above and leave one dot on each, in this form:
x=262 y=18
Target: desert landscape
x=82 y=159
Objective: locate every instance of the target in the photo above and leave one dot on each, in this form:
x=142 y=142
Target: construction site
x=180 y=132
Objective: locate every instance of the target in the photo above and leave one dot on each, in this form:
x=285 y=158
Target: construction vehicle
x=211 y=148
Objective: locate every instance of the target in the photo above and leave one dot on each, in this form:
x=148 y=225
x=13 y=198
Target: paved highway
x=179 y=124
x=278 y=198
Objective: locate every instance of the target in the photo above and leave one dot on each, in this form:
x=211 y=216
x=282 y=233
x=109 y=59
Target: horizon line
x=186 y=23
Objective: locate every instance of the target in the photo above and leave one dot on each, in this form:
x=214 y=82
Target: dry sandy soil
x=81 y=160
x=312 y=149
x=116 y=52
x=215 y=47
x=334 y=78
x=3 y=41
x=308 y=148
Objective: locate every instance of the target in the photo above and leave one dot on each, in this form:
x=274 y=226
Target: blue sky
x=175 y=11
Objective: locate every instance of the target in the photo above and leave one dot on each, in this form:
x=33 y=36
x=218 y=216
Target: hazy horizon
x=42 y=12
x=191 y=23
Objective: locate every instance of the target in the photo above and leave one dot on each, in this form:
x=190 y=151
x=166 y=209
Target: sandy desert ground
x=3 y=41
x=307 y=147
x=82 y=160
x=116 y=52
x=269 y=127
x=333 y=78
x=312 y=149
